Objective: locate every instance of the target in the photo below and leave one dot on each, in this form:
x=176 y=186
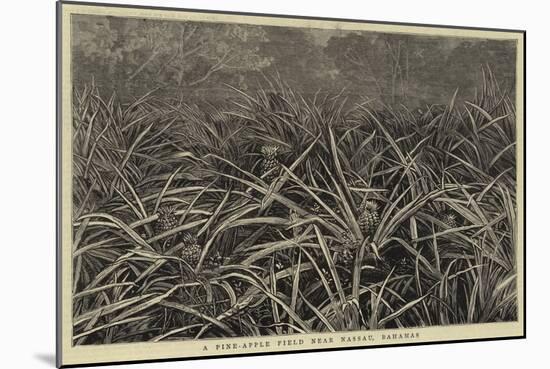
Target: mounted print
x=236 y=184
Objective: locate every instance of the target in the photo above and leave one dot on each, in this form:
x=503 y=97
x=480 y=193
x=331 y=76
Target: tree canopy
x=133 y=56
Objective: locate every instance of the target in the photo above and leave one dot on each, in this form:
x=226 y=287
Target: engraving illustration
x=231 y=179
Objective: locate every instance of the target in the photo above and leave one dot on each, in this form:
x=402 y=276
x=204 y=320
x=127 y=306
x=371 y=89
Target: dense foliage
x=276 y=214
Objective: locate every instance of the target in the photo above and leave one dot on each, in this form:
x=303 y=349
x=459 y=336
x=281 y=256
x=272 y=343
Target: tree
x=419 y=70
x=299 y=61
x=379 y=59
x=149 y=52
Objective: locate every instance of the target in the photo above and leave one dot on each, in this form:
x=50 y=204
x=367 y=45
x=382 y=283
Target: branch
x=179 y=65
x=360 y=62
x=194 y=50
x=154 y=54
x=190 y=34
x=397 y=70
x=167 y=64
x=216 y=67
x=355 y=60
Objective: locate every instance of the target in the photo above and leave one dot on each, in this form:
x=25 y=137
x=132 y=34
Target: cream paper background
x=182 y=349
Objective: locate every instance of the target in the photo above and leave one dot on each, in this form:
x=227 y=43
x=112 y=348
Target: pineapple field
x=274 y=213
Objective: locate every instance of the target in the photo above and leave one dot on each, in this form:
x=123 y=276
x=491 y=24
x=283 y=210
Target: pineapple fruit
x=369 y=217
x=270 y=162
x=450 y=220
x=348 y=240
x=402 y=265
x=167 y=219
x=214 y=260
x=191 y=250
x=347 y=258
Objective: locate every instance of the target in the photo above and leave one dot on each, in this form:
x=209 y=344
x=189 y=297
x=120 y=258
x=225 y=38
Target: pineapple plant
x=369 y=217
x=278 y=265
x=270 y=162
x=346 y=258
x=315 y=209
x=214 y=260
x=295 y=218
x=402 y=265
x=327 y=274
x=238 y=286
x=449 y=219
x=331 y=203
x=167 y=219
x=108 y=177
x=348 y=240
x=191 y=249
x=262 y=313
